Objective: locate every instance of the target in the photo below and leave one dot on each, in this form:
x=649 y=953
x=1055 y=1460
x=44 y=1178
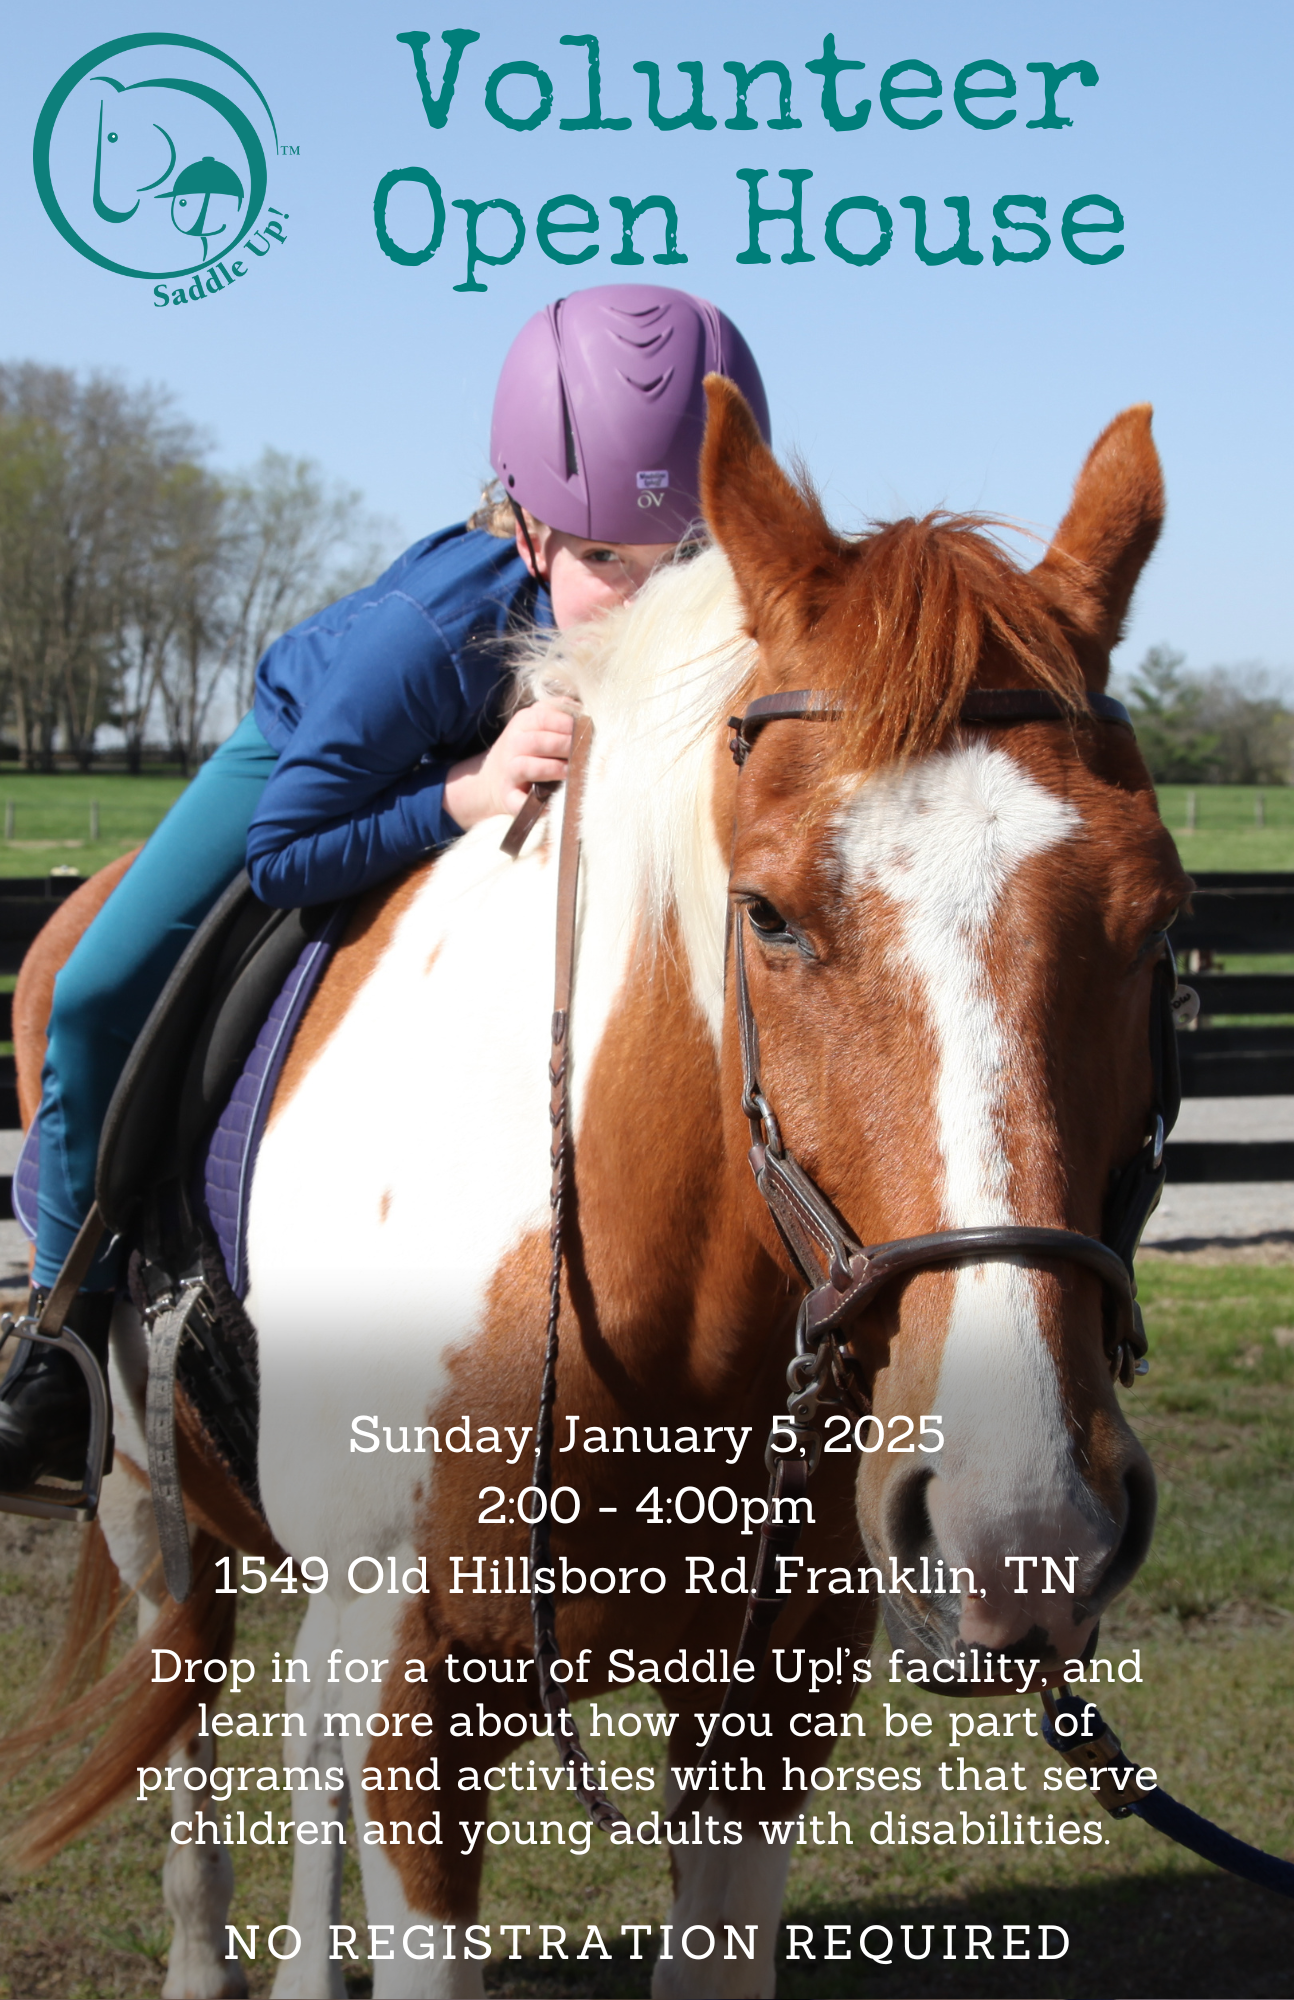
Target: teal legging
x=105 y=992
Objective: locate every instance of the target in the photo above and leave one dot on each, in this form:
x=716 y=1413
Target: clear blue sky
x=903 y=386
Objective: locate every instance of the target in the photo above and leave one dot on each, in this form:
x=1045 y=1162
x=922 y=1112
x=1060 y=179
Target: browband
x=988 y=707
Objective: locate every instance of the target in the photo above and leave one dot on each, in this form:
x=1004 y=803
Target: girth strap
x=165 y=1334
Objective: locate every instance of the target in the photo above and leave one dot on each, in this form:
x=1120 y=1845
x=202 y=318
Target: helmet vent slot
x=572 y=456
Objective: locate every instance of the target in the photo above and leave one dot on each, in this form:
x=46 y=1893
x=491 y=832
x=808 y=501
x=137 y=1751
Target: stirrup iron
x=56 y=1499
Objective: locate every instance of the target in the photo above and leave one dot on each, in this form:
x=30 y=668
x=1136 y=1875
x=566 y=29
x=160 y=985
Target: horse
x=950 y=936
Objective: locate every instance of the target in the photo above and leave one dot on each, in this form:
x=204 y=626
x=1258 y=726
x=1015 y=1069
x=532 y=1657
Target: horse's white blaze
x=942 y=840
x=371 y=1264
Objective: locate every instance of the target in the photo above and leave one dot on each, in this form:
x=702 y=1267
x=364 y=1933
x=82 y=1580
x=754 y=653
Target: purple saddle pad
x=26 y=1180
x=224 y=1182
x=226 y=1179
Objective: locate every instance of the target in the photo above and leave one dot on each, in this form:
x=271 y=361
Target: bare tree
x=135 y=582
x=79 y=467
x=1253 y=728
x=31 y=472
x=293 y=545
x=150 y=607
x=193 y=592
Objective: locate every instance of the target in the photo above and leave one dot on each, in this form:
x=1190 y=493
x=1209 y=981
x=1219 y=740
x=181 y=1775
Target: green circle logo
x=150 y=155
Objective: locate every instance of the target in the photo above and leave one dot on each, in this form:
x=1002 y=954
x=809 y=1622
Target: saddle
x=174 y=1177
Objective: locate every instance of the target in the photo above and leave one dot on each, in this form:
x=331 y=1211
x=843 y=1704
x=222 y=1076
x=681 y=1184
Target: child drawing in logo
x=191 y=198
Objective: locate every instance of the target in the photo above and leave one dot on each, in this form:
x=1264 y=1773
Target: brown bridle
x=843 y=1276
x=982 y=708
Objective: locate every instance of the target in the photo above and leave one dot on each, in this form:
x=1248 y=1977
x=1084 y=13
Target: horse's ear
x=773 y=534
x=1113 y=523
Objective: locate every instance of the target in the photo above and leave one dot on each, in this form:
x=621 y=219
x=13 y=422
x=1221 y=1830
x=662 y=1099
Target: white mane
x=657 y=678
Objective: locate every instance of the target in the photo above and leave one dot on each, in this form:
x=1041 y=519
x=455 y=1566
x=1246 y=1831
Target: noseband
x=844 y=1276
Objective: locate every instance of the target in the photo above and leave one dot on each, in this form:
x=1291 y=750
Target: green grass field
x=1226 y=833
x=51 y=817
x=1211 y=1615
x=51 y=820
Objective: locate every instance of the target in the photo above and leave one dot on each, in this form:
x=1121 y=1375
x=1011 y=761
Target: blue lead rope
x=1075 y=1728
x=1188 y=1829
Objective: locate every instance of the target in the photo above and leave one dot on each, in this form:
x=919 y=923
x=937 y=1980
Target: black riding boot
x=44 y=1402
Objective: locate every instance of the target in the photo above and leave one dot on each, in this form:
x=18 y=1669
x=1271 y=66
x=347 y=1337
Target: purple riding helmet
x=599 y=412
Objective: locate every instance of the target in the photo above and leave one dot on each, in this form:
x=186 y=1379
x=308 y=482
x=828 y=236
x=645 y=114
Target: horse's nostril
x=1143 y=1499
x=1134 y=1544
x=911 y=1533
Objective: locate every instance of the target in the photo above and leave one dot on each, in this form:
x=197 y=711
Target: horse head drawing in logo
x=170 y=129
x=124 y=160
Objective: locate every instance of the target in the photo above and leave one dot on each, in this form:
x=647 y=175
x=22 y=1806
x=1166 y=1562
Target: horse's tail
x=134 y=1718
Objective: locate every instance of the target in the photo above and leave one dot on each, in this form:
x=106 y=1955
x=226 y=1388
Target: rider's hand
x=534 y=749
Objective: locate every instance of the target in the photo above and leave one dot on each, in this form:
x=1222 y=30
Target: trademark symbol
x=289 y=149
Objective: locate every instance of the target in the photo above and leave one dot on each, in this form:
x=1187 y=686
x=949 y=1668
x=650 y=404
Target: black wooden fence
x=1231 y=1052
x=26 y=904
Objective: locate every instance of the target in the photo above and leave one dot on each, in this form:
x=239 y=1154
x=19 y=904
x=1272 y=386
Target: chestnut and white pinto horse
x=951 y=949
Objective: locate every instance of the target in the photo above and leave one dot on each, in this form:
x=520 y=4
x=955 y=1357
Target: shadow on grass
x=1153 y=1936
x=1164 y=1935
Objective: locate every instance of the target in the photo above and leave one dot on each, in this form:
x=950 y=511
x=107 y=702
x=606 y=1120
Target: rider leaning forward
x=378 y=735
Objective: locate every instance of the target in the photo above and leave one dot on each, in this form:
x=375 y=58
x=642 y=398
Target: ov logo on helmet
x=150 y=157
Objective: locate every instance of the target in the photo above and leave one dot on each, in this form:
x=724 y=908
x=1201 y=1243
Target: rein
x=843 y=1276
x=543 y=1603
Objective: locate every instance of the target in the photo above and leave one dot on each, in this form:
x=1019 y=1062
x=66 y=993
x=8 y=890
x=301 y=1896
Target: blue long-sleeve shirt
x=371 y=702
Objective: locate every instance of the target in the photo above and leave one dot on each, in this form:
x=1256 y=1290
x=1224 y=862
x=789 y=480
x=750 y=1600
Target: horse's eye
x=765 y=919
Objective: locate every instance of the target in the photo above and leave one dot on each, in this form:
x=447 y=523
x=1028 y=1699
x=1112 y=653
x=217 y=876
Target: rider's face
x=587 y=578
